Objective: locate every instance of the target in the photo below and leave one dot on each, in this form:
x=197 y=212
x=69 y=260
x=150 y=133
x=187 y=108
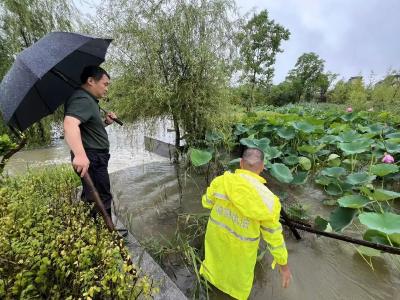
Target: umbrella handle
x=97 y=200
x=114 y=119
x=117 y=121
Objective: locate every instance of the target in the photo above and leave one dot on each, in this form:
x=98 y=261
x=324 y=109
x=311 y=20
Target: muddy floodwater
x=147 y=197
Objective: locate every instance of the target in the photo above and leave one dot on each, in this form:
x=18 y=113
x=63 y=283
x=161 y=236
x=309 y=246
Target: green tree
x=339 y=94
x=171 y=58
x=22 y=23
x=281 y=94
x=386 y=93
x=259 y=42
x=353 y=93
x=308 y=77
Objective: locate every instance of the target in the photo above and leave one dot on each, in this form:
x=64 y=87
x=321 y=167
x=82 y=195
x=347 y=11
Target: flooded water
x=147 y=198
x=126 y=149
x=322 y=268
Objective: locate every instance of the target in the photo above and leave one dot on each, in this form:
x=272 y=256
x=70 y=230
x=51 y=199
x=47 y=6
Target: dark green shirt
x=85 y=107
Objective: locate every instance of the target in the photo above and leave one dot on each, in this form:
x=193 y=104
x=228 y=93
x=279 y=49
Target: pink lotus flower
x=387 y=159
x=349 y=109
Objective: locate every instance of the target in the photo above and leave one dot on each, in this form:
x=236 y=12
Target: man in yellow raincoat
x=241 y=208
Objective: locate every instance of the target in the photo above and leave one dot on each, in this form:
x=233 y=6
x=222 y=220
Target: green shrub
x=50 y=248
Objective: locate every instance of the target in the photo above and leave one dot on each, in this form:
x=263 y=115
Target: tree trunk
x=177 y=137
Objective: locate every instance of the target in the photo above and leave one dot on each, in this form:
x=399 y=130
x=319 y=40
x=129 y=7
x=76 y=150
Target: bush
x=51 y=248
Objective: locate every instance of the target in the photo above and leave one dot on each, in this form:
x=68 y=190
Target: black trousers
x=98 y=171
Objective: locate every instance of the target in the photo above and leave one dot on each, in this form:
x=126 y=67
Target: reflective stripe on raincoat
x=241 y=207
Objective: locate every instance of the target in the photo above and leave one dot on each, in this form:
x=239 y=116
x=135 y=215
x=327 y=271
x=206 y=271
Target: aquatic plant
x=50 y=247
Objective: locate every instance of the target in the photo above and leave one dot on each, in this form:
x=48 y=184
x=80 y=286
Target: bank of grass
x=50 y=248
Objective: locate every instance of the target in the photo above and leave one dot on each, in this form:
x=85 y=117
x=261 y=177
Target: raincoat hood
x=242 y=188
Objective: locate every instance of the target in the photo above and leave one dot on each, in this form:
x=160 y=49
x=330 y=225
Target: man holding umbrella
x=48 y=74
x=86 y=135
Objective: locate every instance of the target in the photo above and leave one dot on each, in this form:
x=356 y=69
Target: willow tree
x=22 y=23
x=171 y=58
x=259 y=41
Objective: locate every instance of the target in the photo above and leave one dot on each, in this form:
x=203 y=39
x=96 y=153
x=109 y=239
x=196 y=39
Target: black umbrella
x=45 y=75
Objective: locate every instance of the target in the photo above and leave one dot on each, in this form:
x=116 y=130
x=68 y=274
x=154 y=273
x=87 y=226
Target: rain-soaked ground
x=146 y=192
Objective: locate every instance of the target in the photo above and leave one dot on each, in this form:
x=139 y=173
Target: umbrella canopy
x=45 y=75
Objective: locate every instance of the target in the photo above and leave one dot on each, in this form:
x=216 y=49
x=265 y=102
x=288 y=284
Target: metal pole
x=290 y=224
x=382 y=247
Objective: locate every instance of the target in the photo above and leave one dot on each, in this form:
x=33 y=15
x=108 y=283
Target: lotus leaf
x=271 y=152
x=334 y=189
x=281 y=172
x=310 y=148
x=320 y=223
x=388 y=223
x=329 y=202
x=394 y=135
x=376 y=128
x=248 y=142
x=336 y=128
x=384 y=195
x=349 y=161
x=303 y=126
x=286 y=133
x=355 y=147
x=214 y=137
x=240 y=129
x=329 y=139
x=333 y=156
x=266 y=129
x=200 y=157
x=349 y=117
x=348 y=136
x=353 y=201
x=341 y=217
x=384 y=169
x=395 y=239
x=323 y=180
x=259 y=125
x=376 y=236
x=393 y=141
x=334 y=163
x=323 y=152
x=360 y=178
x=334 y=172
x=255 y=143
x=305 y=163
x=392 y=147
x=367 y=251
x=380 y=145
x=291 y=160
x=300 y=178
x=334 y=160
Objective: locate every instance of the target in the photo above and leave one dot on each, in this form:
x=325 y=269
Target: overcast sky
x=354 y=37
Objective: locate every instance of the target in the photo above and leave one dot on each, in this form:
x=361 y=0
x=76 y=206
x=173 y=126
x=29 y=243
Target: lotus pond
x=351 y=156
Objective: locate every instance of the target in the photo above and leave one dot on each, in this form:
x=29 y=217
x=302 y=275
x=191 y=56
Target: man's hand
x=110 y=116
x=81 y=164
x=285 y=275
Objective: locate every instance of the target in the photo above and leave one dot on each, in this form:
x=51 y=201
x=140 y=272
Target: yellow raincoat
x=241 y=207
